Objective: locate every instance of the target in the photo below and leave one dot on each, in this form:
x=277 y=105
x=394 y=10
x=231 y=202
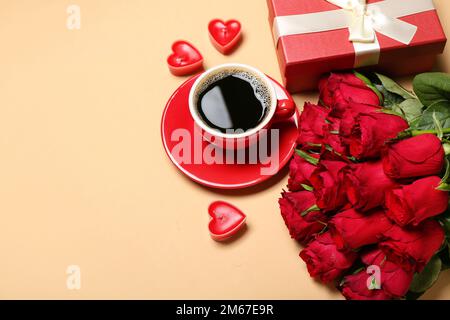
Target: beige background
x=84 y=179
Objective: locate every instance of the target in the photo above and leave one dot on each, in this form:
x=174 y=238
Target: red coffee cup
x=279 y=107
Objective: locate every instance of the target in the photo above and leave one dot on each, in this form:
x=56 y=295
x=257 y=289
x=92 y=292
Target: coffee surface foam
x=259 y=86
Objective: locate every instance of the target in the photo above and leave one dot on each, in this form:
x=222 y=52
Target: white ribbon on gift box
x=362 y=20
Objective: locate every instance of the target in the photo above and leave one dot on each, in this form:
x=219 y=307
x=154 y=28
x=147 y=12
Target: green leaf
x=311 y=209
x=441 y=110
x=414 y=123
x=330 y=149
x=432 y=87
x=413 y=295
x=445 y=258
x=359 y=270
x=390 y=99
x=411 y=109
x=394 y=87
x=307 y=188
x=447 y=171
x=370 y=85
x=362 y=77
x=393 y=112
x=438 y=126
x=425 y=280
x=444 y=247
x=446 y=147
x=446 y=225
x=307 y=157
x=314 y=145
x=443 y=187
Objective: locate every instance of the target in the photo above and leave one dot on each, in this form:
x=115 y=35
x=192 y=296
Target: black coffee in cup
x=233 y=100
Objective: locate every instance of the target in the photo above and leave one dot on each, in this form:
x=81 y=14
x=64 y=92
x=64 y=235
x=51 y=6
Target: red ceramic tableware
x=226 y=220
x=185 y=59
x=225 y=36
x=177 y=126
x=285 y=109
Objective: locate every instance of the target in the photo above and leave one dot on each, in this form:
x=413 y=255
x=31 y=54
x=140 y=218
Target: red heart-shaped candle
x=226 y=220
x=185 y=59
x=225 y=36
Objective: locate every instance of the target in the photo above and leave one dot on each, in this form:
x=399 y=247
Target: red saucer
x=223 y=176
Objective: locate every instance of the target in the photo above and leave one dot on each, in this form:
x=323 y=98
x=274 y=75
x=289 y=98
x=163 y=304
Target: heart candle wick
x=225 y=36
x=185 y=59
x=180 y=59
x=226 y=220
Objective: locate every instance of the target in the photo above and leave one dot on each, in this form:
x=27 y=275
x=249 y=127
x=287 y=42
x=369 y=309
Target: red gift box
x=304 y=58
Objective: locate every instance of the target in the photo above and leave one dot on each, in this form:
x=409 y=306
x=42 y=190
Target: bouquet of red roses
x=368 y=185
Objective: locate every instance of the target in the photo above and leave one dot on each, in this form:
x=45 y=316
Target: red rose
x=366 y=184
x=355 y=287
x=371 y=132
x=324 y=261
x=312 y=125
x=414 y=157
x=394 y=281
x=412 y=248
x=329 y=155
x=328 y=183
x=300 y=171
x=332 y=136
x=348 y=117
x=352 y=229
x=416 y=202
x=301 y=228
x=302 y=201
x=338 y=90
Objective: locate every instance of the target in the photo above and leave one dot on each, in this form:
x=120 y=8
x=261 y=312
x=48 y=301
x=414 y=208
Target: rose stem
x=415 y=133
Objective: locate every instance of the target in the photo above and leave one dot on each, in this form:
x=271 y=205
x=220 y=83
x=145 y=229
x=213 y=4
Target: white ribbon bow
x=366 y=19
x=362 y=20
